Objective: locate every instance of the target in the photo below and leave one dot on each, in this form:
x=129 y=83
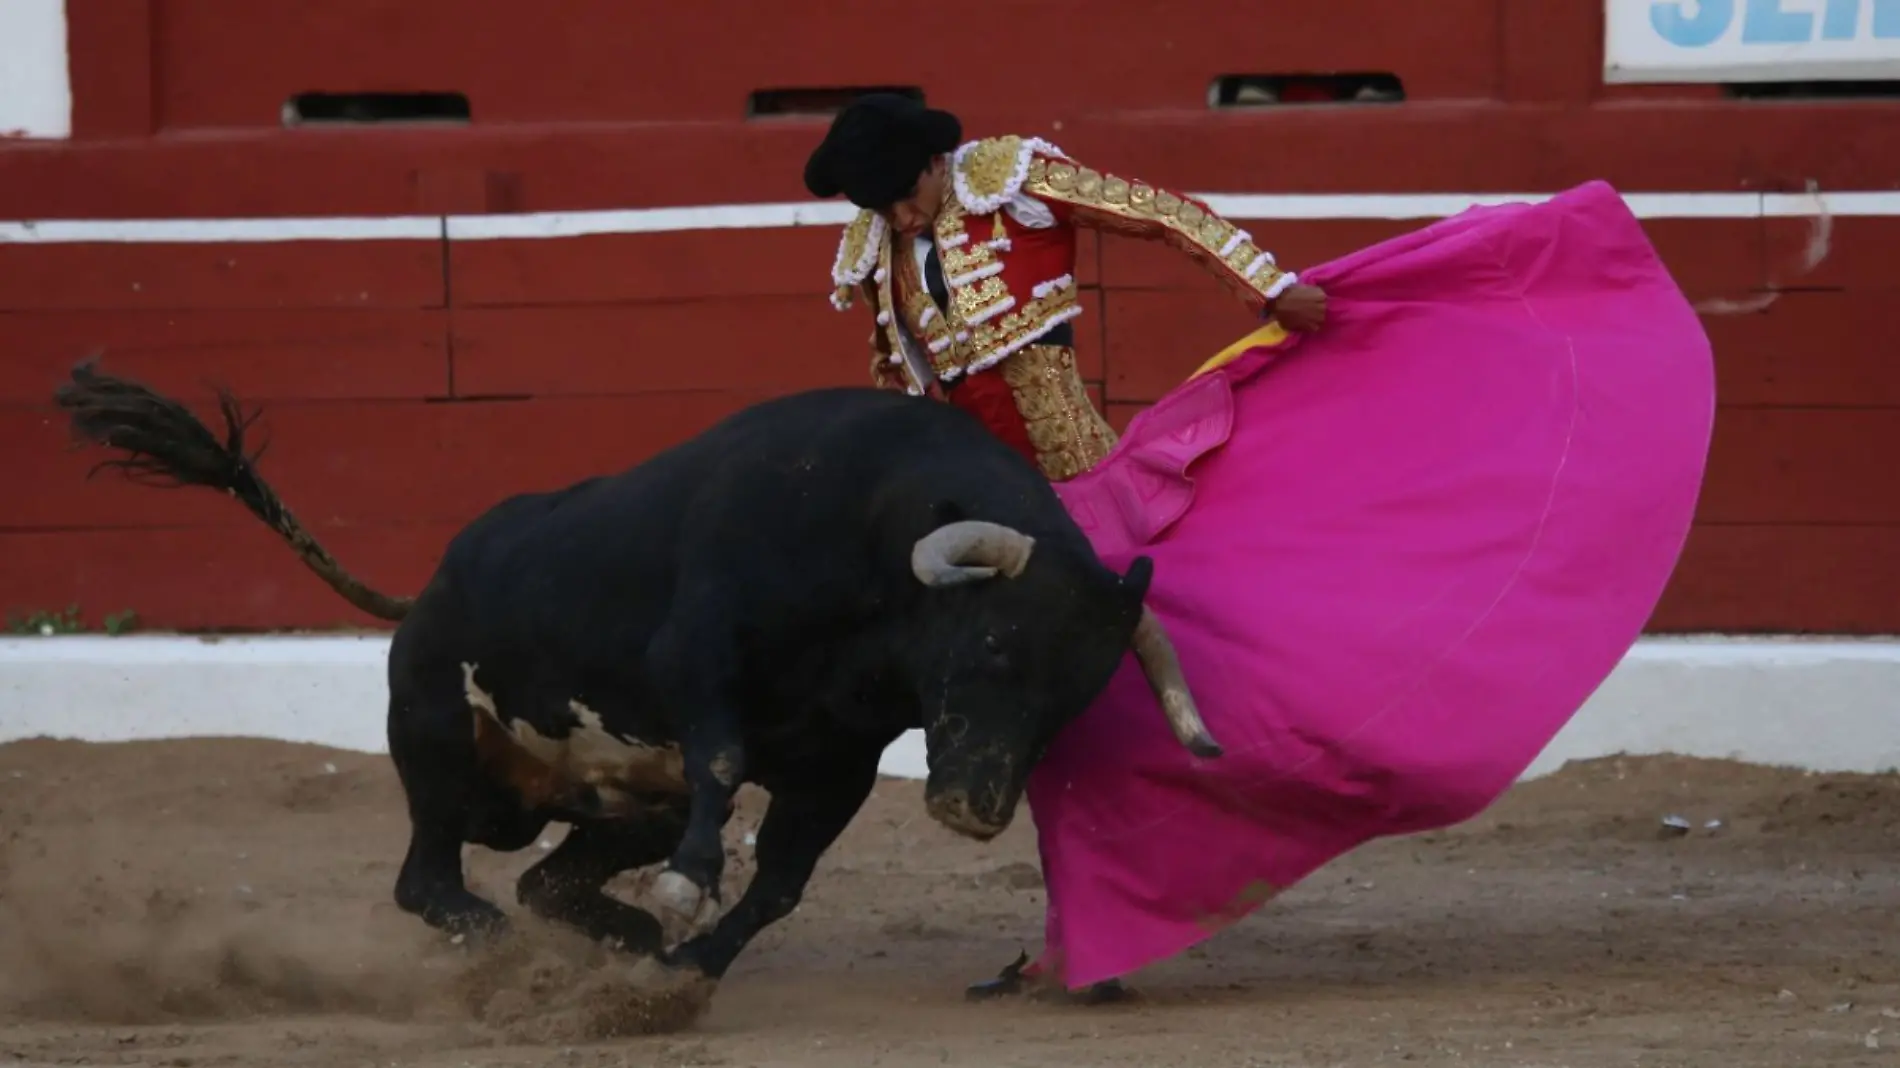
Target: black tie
x=933 y=277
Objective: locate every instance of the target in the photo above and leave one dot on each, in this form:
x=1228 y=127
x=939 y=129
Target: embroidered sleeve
x=857 y=256
x=887 y=368
x=1087 y=197
x=887 y=364
x=852 y=269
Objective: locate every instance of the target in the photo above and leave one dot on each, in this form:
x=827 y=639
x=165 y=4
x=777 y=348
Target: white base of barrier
x=1823 y=705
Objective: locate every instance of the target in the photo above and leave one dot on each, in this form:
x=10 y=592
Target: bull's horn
x=1163 y=669
x=968 y=551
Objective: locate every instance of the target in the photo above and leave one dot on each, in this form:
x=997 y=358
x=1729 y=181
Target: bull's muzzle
x=953 y=808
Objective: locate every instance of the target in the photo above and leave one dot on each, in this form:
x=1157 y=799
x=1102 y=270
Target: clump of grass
x=48 y=622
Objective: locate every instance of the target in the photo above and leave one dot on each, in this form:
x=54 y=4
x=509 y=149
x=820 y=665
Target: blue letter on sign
x=1886 y=19
x=1840 y=20
x=1766 y=23
x=1701 y=30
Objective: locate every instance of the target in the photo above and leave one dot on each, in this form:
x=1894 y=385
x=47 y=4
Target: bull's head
x=1016 y=652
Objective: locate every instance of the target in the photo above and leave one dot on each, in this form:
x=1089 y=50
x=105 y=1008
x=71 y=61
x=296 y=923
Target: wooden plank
x=1476 y=145
x=613 y=268
x=239 y=578
x=1852 y=252
x=1802 y=465
x=1725 y=144
x=1539 y=54
x=109 y=47
x=1296 y=244
x=1764 y=579
x=768 y=344
x=1091 y=335
x=177 y=277
x=682 y=265
x=1708 y=258
x=222 y=67
x=1810 y=349
x=1156 y=338
x=364 y=462
x=1088 y=258
x=1711 y=258
x=265 y=356
x=1449 y=147
x=1785 y=578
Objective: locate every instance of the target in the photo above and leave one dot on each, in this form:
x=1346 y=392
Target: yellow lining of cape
x=1270 y=334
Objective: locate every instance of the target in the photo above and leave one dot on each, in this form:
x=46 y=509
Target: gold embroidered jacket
x=1006 y=239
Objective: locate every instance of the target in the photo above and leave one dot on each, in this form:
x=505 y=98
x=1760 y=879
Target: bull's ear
x=1135 y=580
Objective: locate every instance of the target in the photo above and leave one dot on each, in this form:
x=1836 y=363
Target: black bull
x=773 y=601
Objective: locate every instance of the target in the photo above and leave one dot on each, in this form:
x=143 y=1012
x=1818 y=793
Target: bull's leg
x=797 y=829
x=694 y=664
x=567 y=886
x=436 y=764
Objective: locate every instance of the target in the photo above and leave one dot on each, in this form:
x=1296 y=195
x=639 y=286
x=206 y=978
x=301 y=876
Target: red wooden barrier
x=410 y=383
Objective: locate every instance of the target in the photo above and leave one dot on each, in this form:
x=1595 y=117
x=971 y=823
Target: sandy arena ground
x=207 y=903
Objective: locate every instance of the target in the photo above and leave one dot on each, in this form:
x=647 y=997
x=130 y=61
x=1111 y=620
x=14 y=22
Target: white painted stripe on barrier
x=1249 y=207
x=224 y=231
x=1856 y=204
x=1824 y=705
x=647 y=221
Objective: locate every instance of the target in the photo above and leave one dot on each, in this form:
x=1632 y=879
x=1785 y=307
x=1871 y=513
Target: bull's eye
x=992 y=645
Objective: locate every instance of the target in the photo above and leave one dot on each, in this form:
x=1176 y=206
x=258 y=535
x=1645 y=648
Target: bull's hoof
x=683 y=906
x=635 y=933
x=480 y=931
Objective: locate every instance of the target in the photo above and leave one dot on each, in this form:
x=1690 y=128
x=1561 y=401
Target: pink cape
x=1395 y=557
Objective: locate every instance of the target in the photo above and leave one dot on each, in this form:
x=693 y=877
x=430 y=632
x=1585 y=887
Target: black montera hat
x=876 y=149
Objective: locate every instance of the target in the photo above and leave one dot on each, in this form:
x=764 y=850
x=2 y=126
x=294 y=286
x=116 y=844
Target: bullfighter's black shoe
x=1020 y=977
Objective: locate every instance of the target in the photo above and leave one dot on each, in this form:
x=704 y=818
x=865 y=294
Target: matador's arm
x=1084 y=196
x=859 y=267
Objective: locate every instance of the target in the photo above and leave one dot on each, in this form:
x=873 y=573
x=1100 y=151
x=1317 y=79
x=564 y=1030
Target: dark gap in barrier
x=1236 y=91
x=810 y=102
x=356 y=109
x=1867 y=89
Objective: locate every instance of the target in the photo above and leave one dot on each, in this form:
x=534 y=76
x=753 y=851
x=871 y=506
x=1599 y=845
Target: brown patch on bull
x=503 y=761
x=556 y=772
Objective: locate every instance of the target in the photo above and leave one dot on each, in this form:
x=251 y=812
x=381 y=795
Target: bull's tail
x=166 y=445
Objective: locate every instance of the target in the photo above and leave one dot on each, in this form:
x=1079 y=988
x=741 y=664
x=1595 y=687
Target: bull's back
x=596 y=563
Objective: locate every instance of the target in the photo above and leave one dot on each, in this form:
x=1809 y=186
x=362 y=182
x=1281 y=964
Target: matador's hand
x=1301 y=307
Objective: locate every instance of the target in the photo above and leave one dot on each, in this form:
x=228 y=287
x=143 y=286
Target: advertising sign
x=1751 y=40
